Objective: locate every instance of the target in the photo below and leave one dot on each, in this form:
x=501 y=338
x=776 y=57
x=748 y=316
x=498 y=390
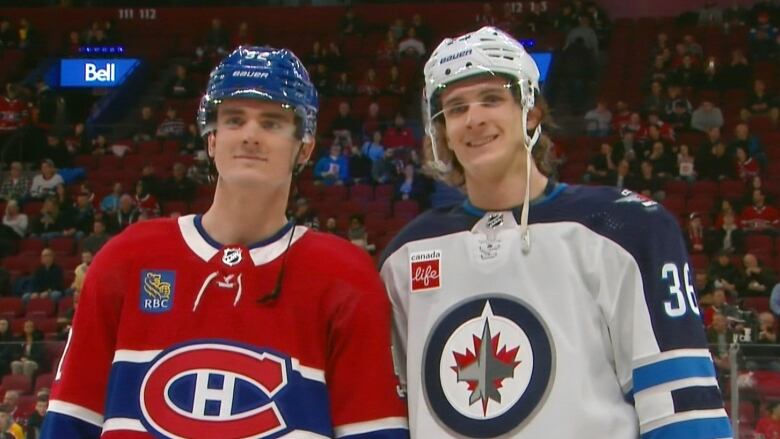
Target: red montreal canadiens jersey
x=169 y=341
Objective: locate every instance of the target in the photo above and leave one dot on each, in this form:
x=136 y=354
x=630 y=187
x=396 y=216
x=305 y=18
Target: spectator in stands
x=99 y=145
x=717 y=304
x=97 y=239
x=757 y=280
x=399 y=136
x=46 y=182
x=663 y=162
x=694 y=238
x=148 y=206
x=647 y=183
x=659 y=70
x=216 y=41
x=711 y=14
x=345 y=126
x=585 y=32
x=422 y=30
x=8 y=426
x=370 y=85
x=33 y=351
x=126 y=214
x=394 y=85
x=200 y=171
x=304 y=215
x=193 y=141
x=16 y=186
x=602 y=166
x=15 y=224
x=769 y=426
x=745 y=167
x=716 y=165
x=760 y=103
x=172 y=127
x=81 y=271
x=620 y=117
x=598 y=120
x=706 y=117
x=146 y=126
x=373 y=148
x=344 y=86
x=411 y=46
x=151 y=182
x=726 y=236
x=566 y=19
x=51 y=222
x=576 y=70
x=242 y=37
x=11 y=400
x=622 y=177
x=330 y=226
x=83 y=213
x=751 y=144
x=412 y=185
x=317 y=54
x=388 y=48
x=762 y=37
x=385 y=170
x=359 y=166
x=110 y=202
x=656 y=101
x=737 y=73
x=372 y=122
x=686 y=166
x=724 y=274
x=767 y=329
x=720 y=337
x=688 y=74
x=350 y=24
x=711 y=75
x=332 y=169
x=181 y=86
x=486 y=17
x=759 y=217
x=357 y=234
x=35 y=421
x=674 y=100
x=47 y=279
x=8 y=346
x=179 y=187
x=9 y=39
x=334 y=58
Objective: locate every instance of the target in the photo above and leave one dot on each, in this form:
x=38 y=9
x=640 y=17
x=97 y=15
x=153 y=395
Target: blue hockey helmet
x=263 y=73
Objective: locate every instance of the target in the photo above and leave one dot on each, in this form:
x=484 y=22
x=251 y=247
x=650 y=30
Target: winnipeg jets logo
x=231 y=256
x=629 y=196
x=488 y=365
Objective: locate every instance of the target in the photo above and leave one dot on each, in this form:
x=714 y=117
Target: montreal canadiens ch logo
x=488 y=365
x=195 y=390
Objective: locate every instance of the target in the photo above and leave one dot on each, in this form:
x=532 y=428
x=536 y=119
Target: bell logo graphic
x=93 y=73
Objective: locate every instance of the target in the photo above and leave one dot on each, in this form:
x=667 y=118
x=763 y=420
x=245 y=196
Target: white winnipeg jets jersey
x=593 y=333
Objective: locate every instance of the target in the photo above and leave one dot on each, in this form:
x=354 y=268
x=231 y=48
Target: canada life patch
x=425 y=270
x=205 y=388
x=157 y=288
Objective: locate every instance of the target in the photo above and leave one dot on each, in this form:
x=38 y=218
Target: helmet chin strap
x=530 y=142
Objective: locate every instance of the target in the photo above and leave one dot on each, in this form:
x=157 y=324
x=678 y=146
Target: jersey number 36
x=680 y=300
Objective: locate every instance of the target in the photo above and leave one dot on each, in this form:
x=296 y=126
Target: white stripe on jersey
x=683 y=416
x=302 y=434
x=369 y=426
x=76 y=411
x=308 y=372
x=130 y=356
x=129 y=424
x=667 y=355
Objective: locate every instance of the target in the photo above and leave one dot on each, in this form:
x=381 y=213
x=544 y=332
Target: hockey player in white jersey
x=536 y=309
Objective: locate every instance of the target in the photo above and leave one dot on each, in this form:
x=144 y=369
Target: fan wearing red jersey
x=237 y=323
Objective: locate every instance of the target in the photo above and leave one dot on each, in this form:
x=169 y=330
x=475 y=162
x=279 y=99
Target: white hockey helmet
x=486 y=51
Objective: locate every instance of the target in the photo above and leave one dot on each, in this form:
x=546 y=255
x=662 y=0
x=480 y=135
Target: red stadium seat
x=17 y=382
x=32 y=246
x=759 y=242
x=40 y=307
x=11 y=307
x=146 y=149
x=361 y=193
x=384 y=191
x=43 y=381
x=757 y=304
x=64 y=305
x=62 y=245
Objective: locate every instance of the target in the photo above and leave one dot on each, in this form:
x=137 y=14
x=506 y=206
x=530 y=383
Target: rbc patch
x=157 y=289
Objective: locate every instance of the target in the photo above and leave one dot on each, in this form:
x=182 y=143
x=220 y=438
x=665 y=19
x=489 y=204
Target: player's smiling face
x=483 y=125
x=255 y=141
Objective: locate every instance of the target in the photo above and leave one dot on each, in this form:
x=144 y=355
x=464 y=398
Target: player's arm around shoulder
x=656 y=329
x=79 y=391
x=362 y=383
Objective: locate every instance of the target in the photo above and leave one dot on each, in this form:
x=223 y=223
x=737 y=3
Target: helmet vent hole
x=468 y=64
x=447 y=72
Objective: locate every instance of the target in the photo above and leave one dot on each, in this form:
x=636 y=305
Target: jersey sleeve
x=79 y=391
x=656 y=331
x=399 y=302
x=359 y=372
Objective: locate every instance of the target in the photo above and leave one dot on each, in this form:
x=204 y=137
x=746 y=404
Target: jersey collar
x=551 y=191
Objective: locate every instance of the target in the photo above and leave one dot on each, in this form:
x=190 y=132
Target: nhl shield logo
x=488 y=366
x=231 y=256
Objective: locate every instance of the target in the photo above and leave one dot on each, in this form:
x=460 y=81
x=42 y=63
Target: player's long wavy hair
x=455 y=176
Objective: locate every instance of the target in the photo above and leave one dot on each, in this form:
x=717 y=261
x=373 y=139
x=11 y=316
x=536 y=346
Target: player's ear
x=307 y=148
x=211 y=141
x=535 y=117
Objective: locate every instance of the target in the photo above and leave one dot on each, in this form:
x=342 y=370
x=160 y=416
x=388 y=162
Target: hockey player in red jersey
x=237 y=323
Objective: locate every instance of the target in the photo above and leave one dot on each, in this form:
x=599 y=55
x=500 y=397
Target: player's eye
x=270 y=124
x=492 y=100
x=233 y=121
x=455 y=109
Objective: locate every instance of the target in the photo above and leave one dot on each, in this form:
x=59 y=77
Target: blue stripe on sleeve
x=710 y=428
x=672 y=369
